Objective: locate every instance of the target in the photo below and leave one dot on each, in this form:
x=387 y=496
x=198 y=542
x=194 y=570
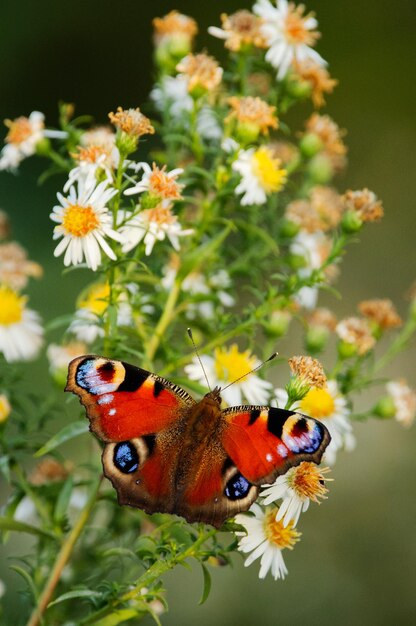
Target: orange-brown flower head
x=252 y=116
x=329 y=138
x=239 y=30
x=15 y=268
x=327 y=203
x=323 y=318
x=365 y=204
x=4 y=225
x=203 y=72
x=175 y=27
x=309 y=370
x=163 y=185
x=47 y=471
x=318 y=79
x=381 y=312
x=356 y=337
x=132 y=122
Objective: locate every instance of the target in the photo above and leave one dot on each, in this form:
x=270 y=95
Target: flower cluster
x=210 y=210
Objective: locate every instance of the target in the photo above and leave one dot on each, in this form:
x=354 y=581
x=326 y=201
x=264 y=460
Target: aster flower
x=297 y=488
x=364 y=204
x=252 y=115
x=239 y=30
x=328 y=405
x=381 y=313
x=318 y=78
x=92 y=161
x=404 y=401
x=21 y=140
x=5 y=408
x=289 y=34
x=202 y=71
x=314 y=248
x=84 y=222
x=87 y=325
x=132 y=122
x=330 y=136
x=15 y=268
x=227 y=365
x=157 y=182
x=260 y=175
x=175 y=30
x=357 y=333
x=310 y=370
x=151 y=225
x=266 y=538
x=21 y=334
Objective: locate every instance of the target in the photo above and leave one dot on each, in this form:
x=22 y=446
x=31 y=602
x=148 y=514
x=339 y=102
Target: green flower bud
x=247 y=132
x=278 y=324
x=316 y=339
x=385 y=408
x=297 y=261
x=296 y=389
x=351 y=222
x=149 y=201
x=299 y=89
x=288 y=229
x=347 y=350
x=43 y=147
x=320 y=169
x=126 y=143
x=310 y=145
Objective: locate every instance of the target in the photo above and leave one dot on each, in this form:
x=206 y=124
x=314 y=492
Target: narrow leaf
x=68 y=432
x=118 y=617
x=62 y=502
x=12 y=524
x=27 y=578
x=77 y=593
x=207 y=584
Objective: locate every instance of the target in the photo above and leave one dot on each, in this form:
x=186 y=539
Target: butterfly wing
x=138 y=415
x=123 y=401
x=264 y=442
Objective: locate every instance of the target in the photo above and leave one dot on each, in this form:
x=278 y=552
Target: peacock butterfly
x=165 y=452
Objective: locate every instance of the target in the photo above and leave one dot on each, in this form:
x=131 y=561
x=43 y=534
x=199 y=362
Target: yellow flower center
x=307 y=480
x=279 y=535
x=90 y=154
x=163 y=185
x=159 y=215
x=11 y=306
x=19 y=130
x=5 y=408
x=96 y=299
x=295 y=28
x=318 y=403
x=266 y=169
x=230 y=364
x=79 y=221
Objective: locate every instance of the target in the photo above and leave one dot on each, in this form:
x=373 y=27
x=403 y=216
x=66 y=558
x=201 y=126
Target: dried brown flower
x=365 y=203
x=15 y=269
x=322 y=317
x=254 y=111
x=132 y=122
x=310 y=370
x=331 y=136
x=202 y=71
x=172 y=25
x=319 y=79
x=47 y=471
x=356 y=331
x=382 y=312
x=240 y=29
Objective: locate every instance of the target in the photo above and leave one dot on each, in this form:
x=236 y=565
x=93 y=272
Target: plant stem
x=154 y=572
x=163 y=322
x=62 y=559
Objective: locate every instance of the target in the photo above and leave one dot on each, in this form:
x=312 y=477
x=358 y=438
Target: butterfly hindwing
x=122 y=401
x=265 y=442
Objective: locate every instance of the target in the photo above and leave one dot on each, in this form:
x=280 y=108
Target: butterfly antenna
x=189 y=331
x=273 y=356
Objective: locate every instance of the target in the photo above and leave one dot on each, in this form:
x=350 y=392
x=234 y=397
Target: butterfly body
x=167 y=453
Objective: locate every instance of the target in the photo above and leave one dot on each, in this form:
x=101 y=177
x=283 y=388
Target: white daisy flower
x=297 y=488
x=21 y=334
x=172 y=94
x=260 y=175
x=84 y=221
x=227 y=365
x=314 y=248
x=87 y=325
x=266 y=538
x=329 y=406
x=288 y=34
x=151 y=225
x=92 y=161
x=157 y=182
x=21 y=140
x=404 y=401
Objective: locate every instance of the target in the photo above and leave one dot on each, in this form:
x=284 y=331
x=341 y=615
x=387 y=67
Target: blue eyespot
x=237 y=487
x=125 y=457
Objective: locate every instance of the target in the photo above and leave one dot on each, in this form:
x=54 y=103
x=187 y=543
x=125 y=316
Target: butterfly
x=165 y=452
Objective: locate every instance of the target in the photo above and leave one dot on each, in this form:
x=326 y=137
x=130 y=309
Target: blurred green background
x=356 y=563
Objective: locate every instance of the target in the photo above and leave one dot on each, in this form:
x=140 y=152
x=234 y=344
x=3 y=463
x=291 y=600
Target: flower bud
x=385 y=408
x=321 y=169
x=288 y=229
x=278 y=324
x=351 y=222
x=310 y=145
x=43 y=147
x=346 y=350
x=316 y=339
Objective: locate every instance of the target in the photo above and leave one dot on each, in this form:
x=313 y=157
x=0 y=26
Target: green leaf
x=118 y=617
x=27 y=578
x=11 y=524
x=5 y=467
x=68 y=432
x=119 y=552
x=77 y=593
x=62 y=502
x=207 y=584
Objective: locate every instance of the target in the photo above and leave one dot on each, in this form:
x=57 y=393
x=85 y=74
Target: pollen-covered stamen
x=163 y=185
x=90 y=154
x=308 y=481
x=266 y=168
x=20 y=129
x=279 y=535
x=132 y=122
x=11 y=306
x=296 y=27
x=310 y=370
x=230 y=364
x=79 y=221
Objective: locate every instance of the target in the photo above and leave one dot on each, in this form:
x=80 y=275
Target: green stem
x=399 y=344
x=154 y=572
x=63 y=558
x=164 y=321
